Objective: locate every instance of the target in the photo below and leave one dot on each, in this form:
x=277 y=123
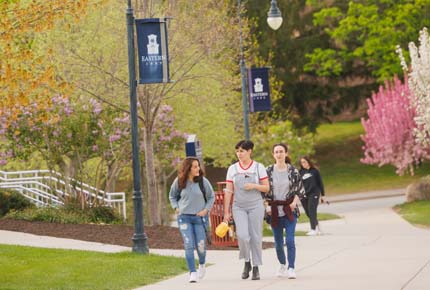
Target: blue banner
x=258 y=89
x=152 y=50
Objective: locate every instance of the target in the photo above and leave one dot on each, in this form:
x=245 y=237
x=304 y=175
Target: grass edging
x=416 y=213
x=267 y=231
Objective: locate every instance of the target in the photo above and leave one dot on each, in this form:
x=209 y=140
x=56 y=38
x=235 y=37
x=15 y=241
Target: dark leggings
x=310 y=204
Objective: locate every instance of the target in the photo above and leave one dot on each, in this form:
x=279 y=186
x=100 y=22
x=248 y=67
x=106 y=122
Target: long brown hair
x=308 y=159
x=184 y=171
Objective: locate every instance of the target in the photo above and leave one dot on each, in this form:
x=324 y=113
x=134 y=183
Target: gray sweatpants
x=249 y=231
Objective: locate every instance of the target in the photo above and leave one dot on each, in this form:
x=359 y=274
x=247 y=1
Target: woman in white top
x=247 y=179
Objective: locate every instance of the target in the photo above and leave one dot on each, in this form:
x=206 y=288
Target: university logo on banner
x=152 y=50
x=258 y=88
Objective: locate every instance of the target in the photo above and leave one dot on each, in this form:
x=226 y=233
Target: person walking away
x=314 y=189
x=286 y=188
x=247 y=179
x=192 y=197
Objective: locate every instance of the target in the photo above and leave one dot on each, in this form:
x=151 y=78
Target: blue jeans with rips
x=278 y=234
x=193 y=233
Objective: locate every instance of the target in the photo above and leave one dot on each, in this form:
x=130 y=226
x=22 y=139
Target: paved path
x=370 y=248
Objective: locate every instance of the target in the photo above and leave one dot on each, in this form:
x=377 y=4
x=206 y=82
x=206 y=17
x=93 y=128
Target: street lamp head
x=274 y=17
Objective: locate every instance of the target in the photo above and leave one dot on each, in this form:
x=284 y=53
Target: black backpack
x=202 y=189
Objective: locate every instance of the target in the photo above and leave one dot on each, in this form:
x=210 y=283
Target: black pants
x=310 y=204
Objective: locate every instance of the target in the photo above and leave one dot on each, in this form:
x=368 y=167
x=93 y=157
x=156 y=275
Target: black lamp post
x=274 y=20
x=139 y=238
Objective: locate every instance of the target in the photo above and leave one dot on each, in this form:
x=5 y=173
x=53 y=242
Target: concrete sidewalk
x=372 y=250
x=369 y=248
x=366 y=195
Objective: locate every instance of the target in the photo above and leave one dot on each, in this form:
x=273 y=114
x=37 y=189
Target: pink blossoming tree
x=389 y=129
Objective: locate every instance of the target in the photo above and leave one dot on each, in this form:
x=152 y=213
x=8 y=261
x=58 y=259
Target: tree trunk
x=70 y=170
x=144 y=186
x=113 y=172
x=151 y=179
x=164 y=202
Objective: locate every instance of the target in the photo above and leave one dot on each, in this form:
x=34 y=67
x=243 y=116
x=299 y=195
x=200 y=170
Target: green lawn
x=338 y=153
x=39 y=268
x=417 y=213
x=267 y=231
x=336 y=133
x=322 y=216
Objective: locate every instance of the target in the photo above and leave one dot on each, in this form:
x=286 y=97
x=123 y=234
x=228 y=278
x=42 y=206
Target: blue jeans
x=278 y=234
x=193 y=233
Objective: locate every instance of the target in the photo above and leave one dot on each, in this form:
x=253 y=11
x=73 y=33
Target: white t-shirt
x=238 y=176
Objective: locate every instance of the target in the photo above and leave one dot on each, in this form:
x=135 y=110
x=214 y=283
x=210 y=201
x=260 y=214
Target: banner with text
x=152 y=50
x=258 y=88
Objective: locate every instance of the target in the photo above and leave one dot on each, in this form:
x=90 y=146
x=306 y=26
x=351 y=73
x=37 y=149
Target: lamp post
x=274 y=19
x=139 y=238
x=274 y=16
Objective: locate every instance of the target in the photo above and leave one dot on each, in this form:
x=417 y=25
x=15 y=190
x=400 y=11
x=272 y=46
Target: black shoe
x=246 y=270
x=255 y=273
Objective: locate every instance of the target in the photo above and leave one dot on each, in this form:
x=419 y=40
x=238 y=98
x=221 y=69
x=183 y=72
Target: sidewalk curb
x=365 y=195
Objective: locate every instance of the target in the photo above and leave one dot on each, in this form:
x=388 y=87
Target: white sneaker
x=282 y=271
x=312 y=233
x=202 y=271
x=193 y=277
x=319 y=232
x=291 y=273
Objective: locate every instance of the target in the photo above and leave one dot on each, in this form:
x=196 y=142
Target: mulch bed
x=159 y=237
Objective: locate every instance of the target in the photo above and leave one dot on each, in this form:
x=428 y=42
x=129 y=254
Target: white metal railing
x=44 y=187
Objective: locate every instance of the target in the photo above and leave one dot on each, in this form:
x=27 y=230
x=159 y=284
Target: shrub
x=72 y=203
x=103 y=214
x=49 y=214
x=99 y=214
x=12 y=200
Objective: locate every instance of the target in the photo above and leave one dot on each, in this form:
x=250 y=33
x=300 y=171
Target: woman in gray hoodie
x=192 y=197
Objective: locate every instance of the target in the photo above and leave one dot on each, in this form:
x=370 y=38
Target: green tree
x=201 y=49
x=330 y=55
x=363 y=35
x=300 y=142
x=93 y=57
x=25 y=76
x=303 y=97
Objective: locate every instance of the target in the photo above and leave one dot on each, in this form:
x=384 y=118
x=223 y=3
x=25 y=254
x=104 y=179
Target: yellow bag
x=222 y=229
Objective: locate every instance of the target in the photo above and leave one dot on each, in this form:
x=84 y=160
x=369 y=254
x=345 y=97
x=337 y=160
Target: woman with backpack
x=192 y=197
